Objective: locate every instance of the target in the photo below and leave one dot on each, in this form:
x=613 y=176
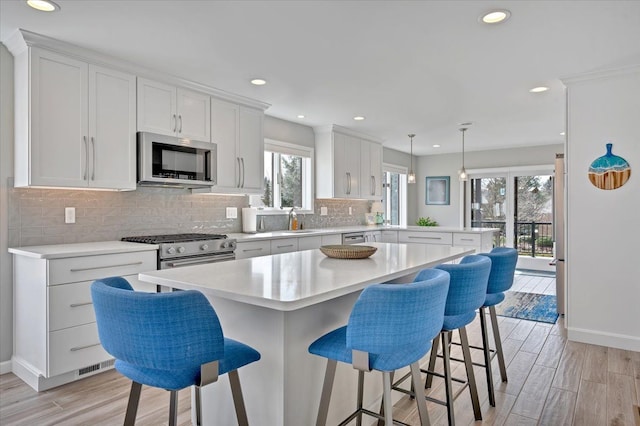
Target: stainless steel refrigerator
x=558 y=230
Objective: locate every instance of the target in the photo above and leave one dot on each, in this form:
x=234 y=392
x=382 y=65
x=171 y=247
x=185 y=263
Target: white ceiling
x=408 y=66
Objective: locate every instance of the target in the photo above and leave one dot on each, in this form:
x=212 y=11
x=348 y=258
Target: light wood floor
x=551 y=382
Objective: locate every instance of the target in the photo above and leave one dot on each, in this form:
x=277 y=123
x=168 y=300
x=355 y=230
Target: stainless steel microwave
x=175 y=162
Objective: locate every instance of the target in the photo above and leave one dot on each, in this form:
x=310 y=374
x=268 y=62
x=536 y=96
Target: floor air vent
x=96 y=367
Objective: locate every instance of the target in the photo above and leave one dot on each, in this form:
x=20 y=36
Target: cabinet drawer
x=389 y=236
x=252 y=249
x=308 y=243
x=332 y=239
x=74 y=348
x=425 y=237
x=467 y=239
x=76 y=269
x=70 y=304
x=284 y=245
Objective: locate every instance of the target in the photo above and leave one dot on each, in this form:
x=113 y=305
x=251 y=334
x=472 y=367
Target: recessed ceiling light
x=436 y=146
x=358 y=118
x=300 y=116
x=43 y=5
x=562 y=133
x=258 y=82
x=495 y=16
x=539 y=89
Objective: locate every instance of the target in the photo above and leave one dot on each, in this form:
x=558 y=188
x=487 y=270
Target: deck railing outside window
x=533 y=239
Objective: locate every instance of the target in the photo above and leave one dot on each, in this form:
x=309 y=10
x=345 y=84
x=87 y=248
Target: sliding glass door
x=395 y=195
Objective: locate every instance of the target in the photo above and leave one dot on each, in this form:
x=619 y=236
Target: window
x=288 y=176
x=394 y=194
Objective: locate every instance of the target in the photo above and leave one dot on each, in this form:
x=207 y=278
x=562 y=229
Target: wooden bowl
x=348 y=251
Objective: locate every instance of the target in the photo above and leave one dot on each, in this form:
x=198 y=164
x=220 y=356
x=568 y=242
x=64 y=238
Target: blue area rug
x=529 y=306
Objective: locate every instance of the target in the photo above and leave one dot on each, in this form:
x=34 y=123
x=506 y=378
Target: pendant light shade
x=411 y=177
x=462 y=173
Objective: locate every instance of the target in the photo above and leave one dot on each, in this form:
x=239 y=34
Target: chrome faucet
x=293 y=219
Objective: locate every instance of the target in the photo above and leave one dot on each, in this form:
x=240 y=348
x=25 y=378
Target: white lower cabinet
x=309 y=243
x=56 y=336
x=373 y=236
x=425 y=237
x=389 y=236
x=284 y=245
x=247 y=249
x=480 y=241
x=332 y=239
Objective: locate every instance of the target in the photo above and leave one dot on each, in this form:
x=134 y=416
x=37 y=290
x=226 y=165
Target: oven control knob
x=232 y=245
x=171 y=250
x=224 y=245
x=180 y=249
x=204 y=247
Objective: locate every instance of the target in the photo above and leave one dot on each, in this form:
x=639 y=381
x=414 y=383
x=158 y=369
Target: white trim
x=394 y=168
x=512 y=170
x=593 y=75
x=345 y=131
x=5 y=367
x=601 y=338
x=288 y=148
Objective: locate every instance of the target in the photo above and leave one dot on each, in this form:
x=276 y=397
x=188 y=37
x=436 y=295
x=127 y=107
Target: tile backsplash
x=36 y=216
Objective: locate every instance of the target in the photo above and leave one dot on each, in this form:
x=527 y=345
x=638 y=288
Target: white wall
x=449 y=164
x=603 y=273
x=6 y=170
x=287 y=131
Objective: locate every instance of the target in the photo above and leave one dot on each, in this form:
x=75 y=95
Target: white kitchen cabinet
x=370 y=170
x=55 y=333
x=284 y=245
x=424 y=237
x=331 y=239
x=75 y=123
x=388 y=236
x=173 y=111
x=373 y=236
x=348 y=165
x=308 y=243
x=481 y=241
x=247 y=249
x=238 y=133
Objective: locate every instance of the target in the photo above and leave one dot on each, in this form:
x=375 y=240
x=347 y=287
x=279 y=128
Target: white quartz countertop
x=296 y=280
x=349 y=229
x=59 y=251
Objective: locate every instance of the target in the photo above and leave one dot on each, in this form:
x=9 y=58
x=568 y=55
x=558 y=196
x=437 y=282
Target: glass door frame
x=402 y=190
x=509 y=173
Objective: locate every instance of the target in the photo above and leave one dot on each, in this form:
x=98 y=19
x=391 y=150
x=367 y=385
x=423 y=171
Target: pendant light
x=411 y=177
x=462 y=173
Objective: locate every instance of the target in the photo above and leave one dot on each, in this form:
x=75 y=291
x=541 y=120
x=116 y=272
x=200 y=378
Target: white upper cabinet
x=370 y=170
x=347 y=165
x=75 y=123
x=173 y=111
x=238 y=133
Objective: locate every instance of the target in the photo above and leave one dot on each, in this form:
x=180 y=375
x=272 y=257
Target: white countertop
x=59 y=251
x=347 y=229
x=295 y=280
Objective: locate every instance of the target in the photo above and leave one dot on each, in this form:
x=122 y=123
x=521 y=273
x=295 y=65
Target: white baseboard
x=5 y=367
x=594 y=337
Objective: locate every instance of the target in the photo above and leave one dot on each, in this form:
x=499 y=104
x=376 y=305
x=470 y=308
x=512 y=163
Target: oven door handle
x=220 y=258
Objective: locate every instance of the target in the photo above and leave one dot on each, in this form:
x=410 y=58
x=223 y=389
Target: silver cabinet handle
x=86 y=164
x=175 y=123
x=79 y=348
x=239 y=172
x=466 y=239
x=77 y=305
x=425 y=238
x=106 y=266
x=253 y=249
x=286 y=245
x=180 y=128
x=242 y=160
x=373 y=185
x=93 y=168
x=348 y=183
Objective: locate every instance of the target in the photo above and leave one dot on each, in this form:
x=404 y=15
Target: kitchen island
x=279 y=304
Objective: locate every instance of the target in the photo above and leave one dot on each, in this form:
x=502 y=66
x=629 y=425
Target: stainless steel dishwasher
x=353 y=238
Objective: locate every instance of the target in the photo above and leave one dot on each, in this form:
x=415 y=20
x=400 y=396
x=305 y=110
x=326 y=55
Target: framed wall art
x=437 y=190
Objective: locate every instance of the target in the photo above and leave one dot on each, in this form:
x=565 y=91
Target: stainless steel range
x=189 y=249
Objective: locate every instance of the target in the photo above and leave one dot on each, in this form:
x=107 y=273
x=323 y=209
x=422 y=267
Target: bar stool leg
x=422 y=403
x=496 y=336
x=471 y=377
x=487 y=356
x=432 y=362
x=386 y=394
x=447 y=377
x=329 y=375
x=198 y=398
x=238 y=400
x=132 y=405
x=360 y=397
x=173 y=408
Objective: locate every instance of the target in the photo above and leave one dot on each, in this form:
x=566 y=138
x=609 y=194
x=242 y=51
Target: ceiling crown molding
x=345 y=131
x=593 y=75
x=21 y=40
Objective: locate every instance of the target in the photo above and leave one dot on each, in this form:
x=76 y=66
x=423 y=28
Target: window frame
x=308 y=174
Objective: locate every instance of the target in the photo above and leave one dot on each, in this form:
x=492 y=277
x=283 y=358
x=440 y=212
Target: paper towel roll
x=249 y=220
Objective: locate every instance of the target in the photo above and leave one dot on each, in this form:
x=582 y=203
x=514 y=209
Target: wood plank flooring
x=551 y=382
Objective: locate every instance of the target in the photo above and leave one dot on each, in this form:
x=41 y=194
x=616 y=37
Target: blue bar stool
x=467 y=292
x=168 y=341
x=503 y=268
x=390 y=327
